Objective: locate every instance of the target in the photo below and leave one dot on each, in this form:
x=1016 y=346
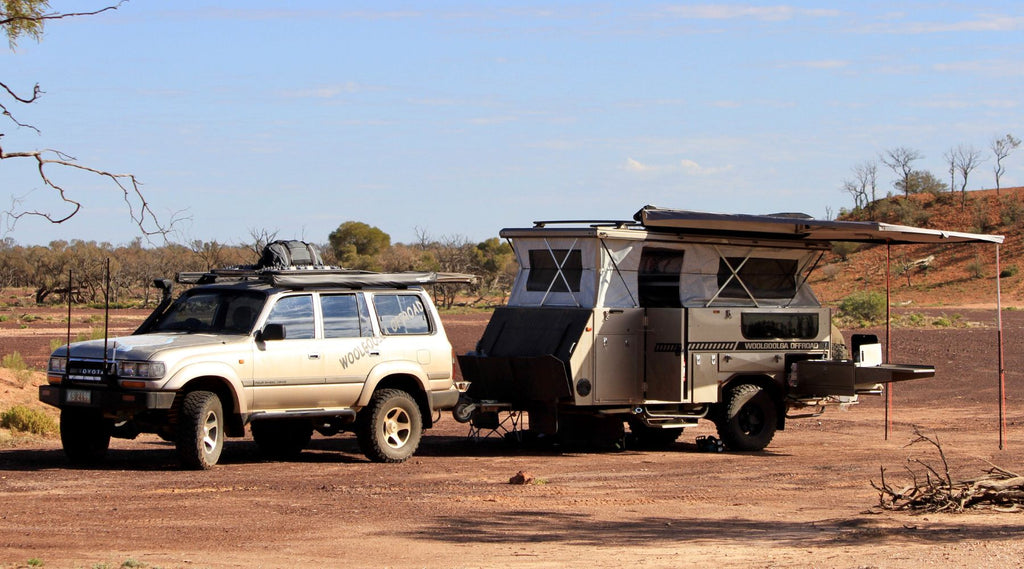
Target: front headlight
x=57 y=365
x=141 y=370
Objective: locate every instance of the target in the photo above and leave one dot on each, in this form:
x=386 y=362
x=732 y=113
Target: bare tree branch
x=15 y=20
x=138 y=207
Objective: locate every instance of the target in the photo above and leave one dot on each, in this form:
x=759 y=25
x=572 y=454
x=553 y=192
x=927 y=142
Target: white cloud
x=983 y=23
x=325 y=91
x=734 y=11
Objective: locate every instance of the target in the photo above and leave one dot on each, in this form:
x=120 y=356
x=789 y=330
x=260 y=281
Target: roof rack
x=320 y=276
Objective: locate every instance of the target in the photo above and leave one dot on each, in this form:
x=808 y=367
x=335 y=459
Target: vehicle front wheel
x=200 y=430
x=84 y=434
x=749 y=418
x=390 y=427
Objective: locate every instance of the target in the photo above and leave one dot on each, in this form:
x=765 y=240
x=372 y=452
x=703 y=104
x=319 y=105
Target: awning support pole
x=888 y=336
x=1002 y=371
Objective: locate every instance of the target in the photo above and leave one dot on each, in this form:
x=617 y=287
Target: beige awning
x=798 y=226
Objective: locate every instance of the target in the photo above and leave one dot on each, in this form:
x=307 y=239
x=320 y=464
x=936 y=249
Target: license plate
x=78 y=396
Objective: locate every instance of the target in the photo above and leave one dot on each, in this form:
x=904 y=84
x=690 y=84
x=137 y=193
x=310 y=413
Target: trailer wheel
x=282 y=439
x=200 y=437
x=84 y=434
x=749 y=420
x=390 y=427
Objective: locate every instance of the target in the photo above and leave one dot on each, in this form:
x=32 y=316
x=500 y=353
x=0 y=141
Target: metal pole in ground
x=1002 y=372
x=888 y=338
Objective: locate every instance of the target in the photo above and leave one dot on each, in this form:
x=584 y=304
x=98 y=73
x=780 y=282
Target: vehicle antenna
x=106 y=313
x=67 y=353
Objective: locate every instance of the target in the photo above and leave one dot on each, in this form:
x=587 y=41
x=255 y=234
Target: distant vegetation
x=354 y=245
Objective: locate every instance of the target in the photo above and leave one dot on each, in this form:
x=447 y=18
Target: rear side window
x=765 y=278
x=401 y=314
x=345 y=316
x=544 y=270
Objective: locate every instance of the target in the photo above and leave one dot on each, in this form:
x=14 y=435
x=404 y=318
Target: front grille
x=91 y=372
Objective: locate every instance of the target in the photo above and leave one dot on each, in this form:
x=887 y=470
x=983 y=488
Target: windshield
x=213 y=311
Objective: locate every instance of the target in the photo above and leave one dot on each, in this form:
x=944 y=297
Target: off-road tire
x=282 y=439
x=84 y=434
x=200 y=430
x=390 y=426
x=749 y=418
x=644 y=437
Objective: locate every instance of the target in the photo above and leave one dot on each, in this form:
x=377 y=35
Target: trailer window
x=544 y=270
x=658 y=278
x=770 y=326
x=764 y=278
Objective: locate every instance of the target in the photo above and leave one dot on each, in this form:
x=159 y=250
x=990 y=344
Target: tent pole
x=1002 y=371
x=888 y=336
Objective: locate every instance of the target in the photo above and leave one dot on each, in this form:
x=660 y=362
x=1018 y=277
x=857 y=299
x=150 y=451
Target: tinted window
x=296 y=314
x=401 y=314
x=544 y=271
x=658 y=279
x=765 y=278
x=215 y=311
x=345 y=316
x=778 y=326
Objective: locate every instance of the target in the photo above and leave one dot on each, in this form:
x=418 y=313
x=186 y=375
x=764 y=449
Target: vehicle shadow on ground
x=548 y=527
x=159 y=455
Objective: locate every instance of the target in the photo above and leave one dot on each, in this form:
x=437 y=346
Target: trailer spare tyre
x=749 y=418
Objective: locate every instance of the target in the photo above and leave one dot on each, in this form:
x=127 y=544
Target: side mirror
x=271 y=332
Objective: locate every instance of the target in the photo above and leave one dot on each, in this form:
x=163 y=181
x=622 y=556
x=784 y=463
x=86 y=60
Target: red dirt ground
x=804 y=502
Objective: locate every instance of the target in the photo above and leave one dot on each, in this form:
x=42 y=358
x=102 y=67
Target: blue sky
x=460 y=118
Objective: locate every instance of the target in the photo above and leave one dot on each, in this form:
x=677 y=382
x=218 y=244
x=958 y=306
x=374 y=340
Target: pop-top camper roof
x=799 y=227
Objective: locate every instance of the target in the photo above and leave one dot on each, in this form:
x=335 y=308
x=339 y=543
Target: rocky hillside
x=935 y=275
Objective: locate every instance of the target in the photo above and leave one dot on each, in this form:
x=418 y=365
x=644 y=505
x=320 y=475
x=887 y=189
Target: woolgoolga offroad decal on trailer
x=759 y=346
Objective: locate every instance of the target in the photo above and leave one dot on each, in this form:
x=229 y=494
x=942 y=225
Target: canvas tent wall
x=601 y=267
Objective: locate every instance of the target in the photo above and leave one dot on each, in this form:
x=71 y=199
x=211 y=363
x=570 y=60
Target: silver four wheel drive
x=286 y=351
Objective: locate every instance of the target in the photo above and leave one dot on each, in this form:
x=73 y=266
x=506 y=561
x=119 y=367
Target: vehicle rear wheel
x=84 y=434
x=200 y=430
x=282 y=439
x=749 y=418
x=390 y=427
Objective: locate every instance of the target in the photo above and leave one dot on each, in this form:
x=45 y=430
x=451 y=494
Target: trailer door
x=664 y=364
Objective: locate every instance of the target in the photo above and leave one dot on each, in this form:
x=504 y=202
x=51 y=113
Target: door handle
x=314 y=356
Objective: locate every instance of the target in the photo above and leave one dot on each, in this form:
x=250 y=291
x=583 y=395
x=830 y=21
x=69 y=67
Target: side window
x=765 y=278
x=401 y=314
x=345 y=316
x=296 y=314
x=544 y=270
x=770 y=326
x=658 y=278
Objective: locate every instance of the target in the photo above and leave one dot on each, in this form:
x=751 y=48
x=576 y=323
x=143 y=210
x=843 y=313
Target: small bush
x=866 y=306
x=976 y=268
x=830 y=272
x=942 y=322
x=24 y=419
x=843 y=249
x=1008 y=272
x=1011 y=211
x=13 y=361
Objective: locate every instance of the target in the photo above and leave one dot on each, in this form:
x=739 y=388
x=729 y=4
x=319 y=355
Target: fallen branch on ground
x=933 y=489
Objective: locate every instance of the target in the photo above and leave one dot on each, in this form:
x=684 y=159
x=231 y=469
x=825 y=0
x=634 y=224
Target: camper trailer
x=673 y=317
